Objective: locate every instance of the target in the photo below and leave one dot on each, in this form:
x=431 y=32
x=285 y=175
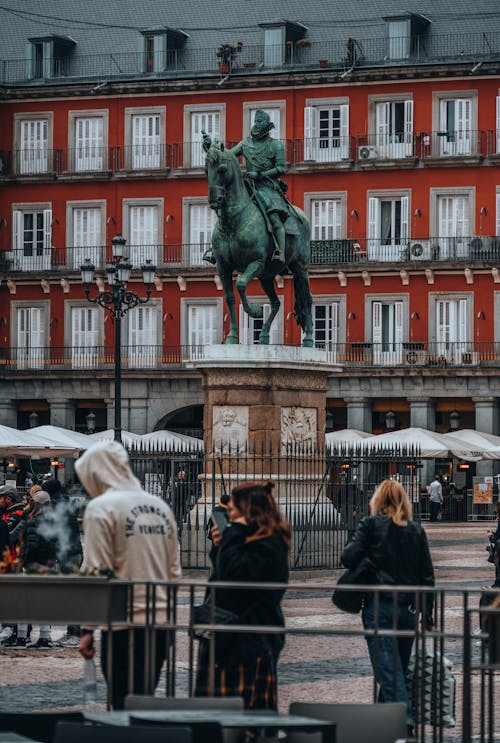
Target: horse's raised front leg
x=268 y=286
x=251 y=271
x=226 y=276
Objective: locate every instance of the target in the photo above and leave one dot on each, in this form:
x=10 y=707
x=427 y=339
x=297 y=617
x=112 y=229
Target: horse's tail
x=302 y=292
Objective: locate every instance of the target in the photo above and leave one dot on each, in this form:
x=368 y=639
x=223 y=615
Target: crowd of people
x=134 y=536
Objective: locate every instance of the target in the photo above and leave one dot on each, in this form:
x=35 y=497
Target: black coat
x=259 y=561
x=400 y=553
x=37 y=549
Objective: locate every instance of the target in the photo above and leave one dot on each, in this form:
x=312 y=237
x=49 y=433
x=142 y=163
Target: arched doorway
x=188 y=420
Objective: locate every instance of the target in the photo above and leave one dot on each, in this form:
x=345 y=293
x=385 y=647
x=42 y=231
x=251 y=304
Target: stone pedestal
x=263 y=397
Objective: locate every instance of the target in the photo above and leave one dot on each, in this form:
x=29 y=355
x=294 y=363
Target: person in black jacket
x=494 y=537
x=399 y=550
x=253 y=548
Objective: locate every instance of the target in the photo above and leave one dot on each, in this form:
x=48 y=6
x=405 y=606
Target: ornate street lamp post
x=117 y=301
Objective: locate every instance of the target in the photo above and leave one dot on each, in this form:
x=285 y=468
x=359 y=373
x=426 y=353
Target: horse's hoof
x=264 y=340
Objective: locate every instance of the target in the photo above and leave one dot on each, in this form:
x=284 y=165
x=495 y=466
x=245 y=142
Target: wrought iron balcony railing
x=354 y=354
x=343 y=251
x=341 y=54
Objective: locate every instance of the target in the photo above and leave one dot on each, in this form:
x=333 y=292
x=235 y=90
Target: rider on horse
x=265 y=163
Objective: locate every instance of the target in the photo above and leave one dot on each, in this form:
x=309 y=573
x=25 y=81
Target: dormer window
x=160 y=48
x=276 y=35
x=402 y=33
x=50 y=56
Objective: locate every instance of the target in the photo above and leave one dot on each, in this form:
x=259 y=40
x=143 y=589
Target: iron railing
x=411 y=355
x=342 y=251
x=341 y=54
x=453 y=672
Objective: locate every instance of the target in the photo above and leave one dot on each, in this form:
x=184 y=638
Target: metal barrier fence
x=322 y=492
x=451 y=680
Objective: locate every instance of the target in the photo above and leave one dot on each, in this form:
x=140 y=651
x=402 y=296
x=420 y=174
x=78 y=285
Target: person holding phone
x=254 y=548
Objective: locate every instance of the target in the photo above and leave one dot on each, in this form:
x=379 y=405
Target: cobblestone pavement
x=319 y=667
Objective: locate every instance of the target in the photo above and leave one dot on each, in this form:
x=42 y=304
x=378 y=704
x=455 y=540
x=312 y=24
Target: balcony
x=459 y=145
x=173 y=256
x=353 y=355
x=259 y=59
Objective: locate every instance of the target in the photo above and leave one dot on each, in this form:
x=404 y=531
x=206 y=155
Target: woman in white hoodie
x=134 y=535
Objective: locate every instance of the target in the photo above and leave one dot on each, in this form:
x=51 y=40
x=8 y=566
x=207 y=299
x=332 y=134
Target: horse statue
x=242 y=242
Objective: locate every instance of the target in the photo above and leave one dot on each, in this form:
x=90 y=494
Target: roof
x=116 y=26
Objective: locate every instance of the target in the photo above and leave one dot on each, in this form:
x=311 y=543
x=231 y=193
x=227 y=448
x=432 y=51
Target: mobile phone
x=220 y=520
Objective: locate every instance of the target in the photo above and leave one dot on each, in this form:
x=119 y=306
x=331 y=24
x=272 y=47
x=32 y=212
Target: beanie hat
x=40 y=497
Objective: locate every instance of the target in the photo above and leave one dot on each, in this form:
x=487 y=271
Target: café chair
x=37 y=725
x=201 y=732
x=145 y=702
x=70 y=732
x=363 y=723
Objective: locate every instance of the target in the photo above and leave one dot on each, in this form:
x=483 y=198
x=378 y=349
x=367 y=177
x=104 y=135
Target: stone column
x=137 y=415
x=62 y=413
x=486 y=421
x=359 y=413
x=110 y=412
x=8 y=413
x=422 y=413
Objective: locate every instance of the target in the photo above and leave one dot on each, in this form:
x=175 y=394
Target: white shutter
x=382 y=114
x=34 y=144
x=87 y=231
x=47 y=240
x=404 y=219
x=89 y=144
x=203 y=327
x=373 y=226
x=498 y=126
x=462 y=321
x=30 y=336
x=145 y=141
x=17 y=236
x=463 y=135
x=398 y=324
x=274 y=49
x=246 y=328
x=443 y=325
x=377 y=331
x=344 y=132
x=408 y=132
x=443 y=127
x=497 y=233
x=208 y=121
x=84 y=336
x=325 y=219
x=142 y=335
x=160 y=52
x=310 y=133
x=143 y=234
x=201 y=224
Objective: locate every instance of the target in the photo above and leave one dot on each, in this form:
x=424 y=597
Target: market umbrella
x=109 y=435
x=346 y=436
x=63 y=436
x=14 y=443
x=163 y=440
x=430 y=444
x=485 y=442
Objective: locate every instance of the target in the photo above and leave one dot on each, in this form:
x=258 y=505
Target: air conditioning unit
x=420 y=250
x=415 y=358
x=367 y=152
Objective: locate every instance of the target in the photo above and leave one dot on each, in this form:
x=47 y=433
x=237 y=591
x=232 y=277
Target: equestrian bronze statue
x=259 y=233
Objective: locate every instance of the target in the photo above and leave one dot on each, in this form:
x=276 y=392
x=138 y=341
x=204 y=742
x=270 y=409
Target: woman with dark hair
x=253 y=548
x=399 y=551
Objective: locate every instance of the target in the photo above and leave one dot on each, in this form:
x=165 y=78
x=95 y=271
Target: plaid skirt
x=255 y=680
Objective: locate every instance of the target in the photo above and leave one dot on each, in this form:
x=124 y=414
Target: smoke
x=60 y=525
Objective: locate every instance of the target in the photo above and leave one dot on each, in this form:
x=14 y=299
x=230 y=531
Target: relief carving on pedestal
x=229 y=427
x=298 y=427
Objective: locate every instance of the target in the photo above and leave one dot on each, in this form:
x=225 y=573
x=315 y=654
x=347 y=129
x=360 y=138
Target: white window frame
x=249 y=109
x=338 y=196
x=497 y=220
x=145 y=157
x=193 y=152
x=248 y=333
x=95 y=157
x=393 y=251
x=390 y=144
x=274 y=45
x=33 y=356
x=332 y=345
x=455 y=351
x=497 y=124
x=451 y=246
x=160 y=51
x=141 y=253
x=462 y=142
x=24 y=262
x=38 y=160
x=398 y=45
x=338 y=148
x=96 y=253
x=145 y=354
x=186 y=304
x=83 y=357
x=387 y=352
x=193 y=252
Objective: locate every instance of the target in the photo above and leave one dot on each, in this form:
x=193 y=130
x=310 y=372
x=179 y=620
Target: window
x=398 y=32
x=50 y=56
x=143 y=224
x=201 y=220
x=276 y=112
x=250 y=327
x=32 y=238
x=394 y=128
x=497 y=137
x=453 y=225
x=274 y=47
x=326 y=219
x=84 y=336
x=32 y=143
x=143 y=341
x=497 y=233
x=451 y=327
x=155 y=52
x=86 y=232
x=387 y=227
x=326 y=132
x=387 y=333
x=145 y=133
x=455 y=127
x=30 y=332
x=88 y=140
x=203 y=325
x=208 y=121
x=326 y=328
